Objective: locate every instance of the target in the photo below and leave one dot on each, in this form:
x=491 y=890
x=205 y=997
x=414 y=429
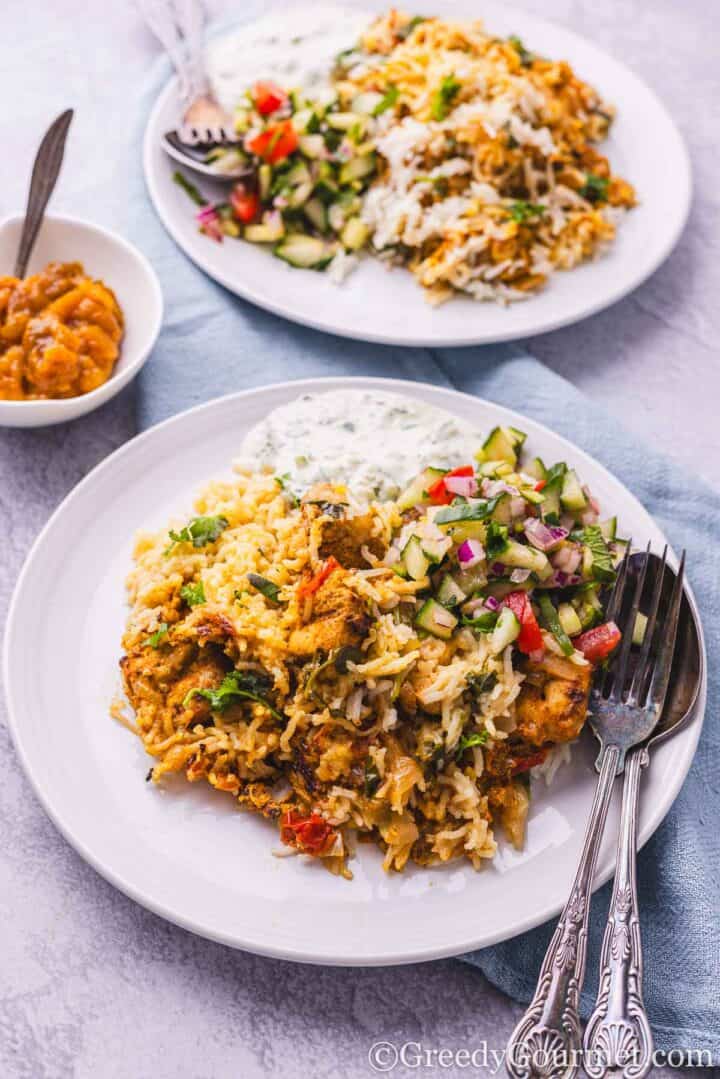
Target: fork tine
x=619 y=668
x=663 y=660
x=643 y=664
x=614 y=606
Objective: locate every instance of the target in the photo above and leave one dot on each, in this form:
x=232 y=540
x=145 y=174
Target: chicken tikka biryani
x=365 y=658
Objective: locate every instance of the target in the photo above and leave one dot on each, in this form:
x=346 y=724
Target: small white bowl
x=105 y=257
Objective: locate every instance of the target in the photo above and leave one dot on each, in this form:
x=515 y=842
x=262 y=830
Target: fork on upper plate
x=179 y=25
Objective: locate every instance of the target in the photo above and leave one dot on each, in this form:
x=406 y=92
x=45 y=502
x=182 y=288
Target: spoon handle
x=618 y=1034
x=42 y=183
x=547 y=1040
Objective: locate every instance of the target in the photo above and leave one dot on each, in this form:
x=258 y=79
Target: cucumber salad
x=513 y=550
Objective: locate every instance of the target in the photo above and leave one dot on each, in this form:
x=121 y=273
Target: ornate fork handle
x=547 y=1040
x=618 y=1033
x=178 y=28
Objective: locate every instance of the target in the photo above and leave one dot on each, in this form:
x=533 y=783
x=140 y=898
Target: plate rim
x=548 y=325
x=264 y=947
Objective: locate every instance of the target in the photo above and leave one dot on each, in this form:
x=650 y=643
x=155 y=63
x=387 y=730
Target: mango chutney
x=60 y=333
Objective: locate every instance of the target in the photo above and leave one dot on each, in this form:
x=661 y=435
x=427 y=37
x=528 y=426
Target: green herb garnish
x=477 y=738
x=526 y=57
x=189 y=189
x=407 y=30
x=156 y=638
x=371 y=779
x=264 y=585
x=481 y=683
x=388 y=100
x=236 y=686
x=462 y=510
x=496 y=540
x=602 y=561
x=193 y=594
x=523 y=211
x=199 y=531
x=551 y=620
x=595 y=188
x=444 y=96
x=483 y=623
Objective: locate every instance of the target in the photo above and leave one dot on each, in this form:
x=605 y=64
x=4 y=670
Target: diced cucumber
x=572 y=496
x=316 y=214
x=503 y=443
x=299 y=195
x=470 y=580
x=588 y=606
x=609 y=529
x=342 y=121
x=569 y=619
x=305 y=252
x=357 y=168
x=416 y=561
x=531 y=495
x=354 y=235
x=265 y=176
x=507 y=630
x=490 y=468
x=501 y=514
x=337 y=216
x=436 y=549
x=449 y=592
x=365 y=103
x=639 y=628
x=617 y=552
x=552 y=622
x=551 y=500
x=436 y=619
x=415 y=493
x=312 y=146
x=536 y=469
x=298 y=174
x=265 y=233
x=522 y=557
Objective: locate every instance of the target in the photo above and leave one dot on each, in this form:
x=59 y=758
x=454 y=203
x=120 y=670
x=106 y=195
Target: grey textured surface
x=91 y=985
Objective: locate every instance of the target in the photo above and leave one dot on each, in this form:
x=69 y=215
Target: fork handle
x=547 y=1040
x=618 y=1034
x=178 y=28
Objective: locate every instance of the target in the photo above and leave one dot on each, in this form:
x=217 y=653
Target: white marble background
x=91 y=985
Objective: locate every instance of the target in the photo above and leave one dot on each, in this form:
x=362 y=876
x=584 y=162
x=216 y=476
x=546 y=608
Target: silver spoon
x=46 y=170
x=618 y=1033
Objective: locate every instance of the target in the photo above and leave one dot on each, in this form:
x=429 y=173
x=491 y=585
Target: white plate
x=645 y=147
x=109 y=258
x=186 y=852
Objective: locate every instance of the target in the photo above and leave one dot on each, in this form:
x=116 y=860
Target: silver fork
x=625 y=706
x=178 y=25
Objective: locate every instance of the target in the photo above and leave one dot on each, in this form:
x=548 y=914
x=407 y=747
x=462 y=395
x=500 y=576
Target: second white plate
x=388 y=307
x=185 y=851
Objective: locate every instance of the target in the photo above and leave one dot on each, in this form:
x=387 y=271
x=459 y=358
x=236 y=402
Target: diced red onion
x=470 y=552
x=519 y=575
x=473 y=604
x=588 y=517
x=568 y=558
x=492 y=603
x=593 y=502
x=490 y=488
x=537 y=656
x=498 y=569
x=465 y=486
x=560 y=579
x=517 y=506
x=542 y=536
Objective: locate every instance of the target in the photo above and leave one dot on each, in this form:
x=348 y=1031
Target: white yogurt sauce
x=295 y=48
x=373 y=441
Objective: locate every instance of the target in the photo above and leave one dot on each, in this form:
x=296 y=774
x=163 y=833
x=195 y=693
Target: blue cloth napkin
x=212 y=343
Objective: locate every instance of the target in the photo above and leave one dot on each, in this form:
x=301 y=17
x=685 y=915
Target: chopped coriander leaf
x=444 y=96
x=193 y=594
x=388 y=100
x=264 y=585
x=555 y=473
x=156 y=638
x=602 y=562
x=595 y=188
x=189 y=189
x=407 y=30
x=496 y=540
x=372 y=778
x=482 y=623
x=523 y=211
x=526 y=57
x=481 y=683
x=199 y=531
x=236 y=686
x=477 y=738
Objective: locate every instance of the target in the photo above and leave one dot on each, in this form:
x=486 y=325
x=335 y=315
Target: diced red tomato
x=438 y=492
x=541 y=485
x=245 y=204
x=530 y=639
x=307 y=588
x=524 y=764
x=596 y=644
x=268 y=97
x=275 y=143
x=309 y=834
